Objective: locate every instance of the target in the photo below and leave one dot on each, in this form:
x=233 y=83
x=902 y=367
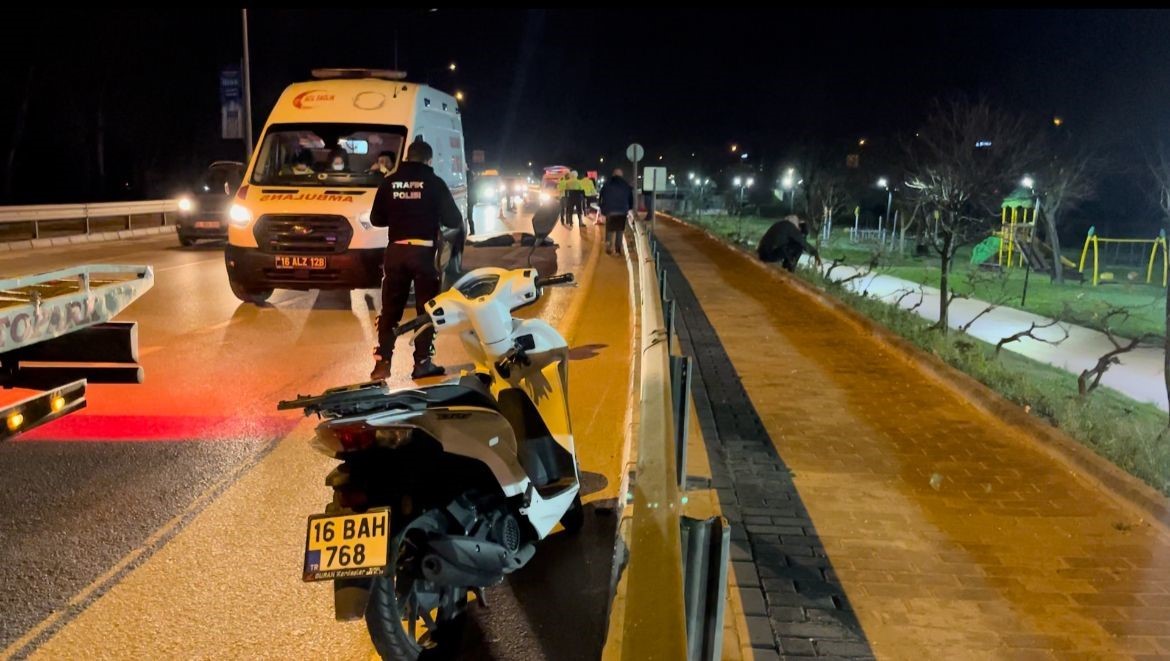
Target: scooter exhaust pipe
x=466 y=561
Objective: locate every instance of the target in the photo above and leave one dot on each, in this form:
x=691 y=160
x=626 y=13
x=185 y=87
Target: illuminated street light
x=451 y=66
x=885 y=183
x=861 y=142
x=529 y=163
x=750 y=181
x=1057 y=121
x=458 y=96
x=737 y=181
x=734 y=148
x=743 y=156
x=660 y=158
x=1028 y=182
x=706 y=181
x=691 y=176
x=602 y=159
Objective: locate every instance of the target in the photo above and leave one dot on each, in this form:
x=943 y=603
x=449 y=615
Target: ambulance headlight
x=239 y=215
x=185 y=204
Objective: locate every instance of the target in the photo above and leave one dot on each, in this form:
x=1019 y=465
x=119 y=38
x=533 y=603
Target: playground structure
x=1017 y=228
x=1017 y=239
x=1157 y=246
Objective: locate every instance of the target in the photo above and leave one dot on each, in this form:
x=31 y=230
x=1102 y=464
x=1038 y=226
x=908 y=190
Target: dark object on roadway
x=784 y=242
x=501 y=241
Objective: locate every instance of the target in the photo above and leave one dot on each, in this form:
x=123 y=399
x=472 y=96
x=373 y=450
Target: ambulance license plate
x=295 y=262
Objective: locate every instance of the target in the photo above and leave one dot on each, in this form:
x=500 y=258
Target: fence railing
x=63 y=219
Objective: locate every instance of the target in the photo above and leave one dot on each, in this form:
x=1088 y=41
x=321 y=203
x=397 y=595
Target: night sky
x=567 y=86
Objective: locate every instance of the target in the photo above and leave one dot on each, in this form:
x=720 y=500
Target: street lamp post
x=247 y=91
x=1030 y=184
x=885 y=183
x=789 y=185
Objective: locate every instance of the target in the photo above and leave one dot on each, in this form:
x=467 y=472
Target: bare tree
x=1066 y=178
x=1030 y=332
x=961 y=162
x=994 y=294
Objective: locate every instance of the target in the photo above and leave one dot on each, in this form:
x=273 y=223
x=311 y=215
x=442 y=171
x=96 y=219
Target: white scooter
x=443 y=490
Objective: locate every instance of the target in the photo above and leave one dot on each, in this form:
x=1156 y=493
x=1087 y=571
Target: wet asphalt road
x=94 y=506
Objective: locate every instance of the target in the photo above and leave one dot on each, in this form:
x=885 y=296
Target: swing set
x=1157 y=247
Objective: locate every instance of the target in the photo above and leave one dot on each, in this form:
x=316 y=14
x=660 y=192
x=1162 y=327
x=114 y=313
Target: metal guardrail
x=37 y=214
x=654 y=625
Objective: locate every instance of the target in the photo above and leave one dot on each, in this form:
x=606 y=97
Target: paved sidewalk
x=1139 y=376
x=884 y=515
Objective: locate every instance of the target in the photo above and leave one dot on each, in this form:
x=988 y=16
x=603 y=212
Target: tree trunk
x=944 y=300
x=1054 y=243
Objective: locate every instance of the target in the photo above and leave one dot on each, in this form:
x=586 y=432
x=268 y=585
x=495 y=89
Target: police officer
x=416 y=206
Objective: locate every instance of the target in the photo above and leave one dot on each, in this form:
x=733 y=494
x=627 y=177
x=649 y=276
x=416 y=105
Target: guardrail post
x=36 y=230
x=680 y=389
x=129 y=222
x=706 y=549
x=668 y=323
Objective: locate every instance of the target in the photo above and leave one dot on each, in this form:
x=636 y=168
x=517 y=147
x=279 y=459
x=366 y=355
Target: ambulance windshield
x=321 y=154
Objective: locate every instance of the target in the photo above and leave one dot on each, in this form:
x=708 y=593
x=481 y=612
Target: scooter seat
x=468 y=391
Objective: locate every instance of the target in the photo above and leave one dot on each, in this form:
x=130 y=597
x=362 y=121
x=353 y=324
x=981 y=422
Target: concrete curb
x=79 y=239
x=1129 y=491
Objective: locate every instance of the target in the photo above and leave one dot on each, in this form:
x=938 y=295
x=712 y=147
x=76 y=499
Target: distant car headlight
x=488 y=192
x=545 y=197
x=185 y=204
x=239 y=215
x=518 y=188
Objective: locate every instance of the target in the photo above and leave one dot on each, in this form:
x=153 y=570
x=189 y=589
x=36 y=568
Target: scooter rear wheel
x=402 y=603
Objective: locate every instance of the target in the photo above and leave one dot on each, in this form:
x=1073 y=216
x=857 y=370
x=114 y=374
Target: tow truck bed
x=54 y=326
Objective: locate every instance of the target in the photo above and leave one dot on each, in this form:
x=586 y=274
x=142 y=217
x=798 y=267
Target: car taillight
x=242 y=194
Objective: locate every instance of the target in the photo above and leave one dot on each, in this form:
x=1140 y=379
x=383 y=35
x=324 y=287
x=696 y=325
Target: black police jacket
x=413 y=203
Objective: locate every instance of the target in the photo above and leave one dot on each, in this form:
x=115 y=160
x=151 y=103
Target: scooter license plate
x=347 y=545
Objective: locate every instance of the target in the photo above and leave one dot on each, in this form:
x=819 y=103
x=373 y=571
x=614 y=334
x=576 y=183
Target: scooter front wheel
x=409 y=618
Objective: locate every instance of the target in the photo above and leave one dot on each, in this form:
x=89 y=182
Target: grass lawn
x=1075 y=302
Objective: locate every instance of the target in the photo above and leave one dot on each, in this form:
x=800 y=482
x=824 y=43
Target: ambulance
x=301 y=219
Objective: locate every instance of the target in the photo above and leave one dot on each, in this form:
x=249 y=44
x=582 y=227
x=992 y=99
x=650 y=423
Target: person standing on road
x=563 y=194
x=576 y=199
x=589 y=190
x=617 y=203
x=785 y=241
x=415 y=205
